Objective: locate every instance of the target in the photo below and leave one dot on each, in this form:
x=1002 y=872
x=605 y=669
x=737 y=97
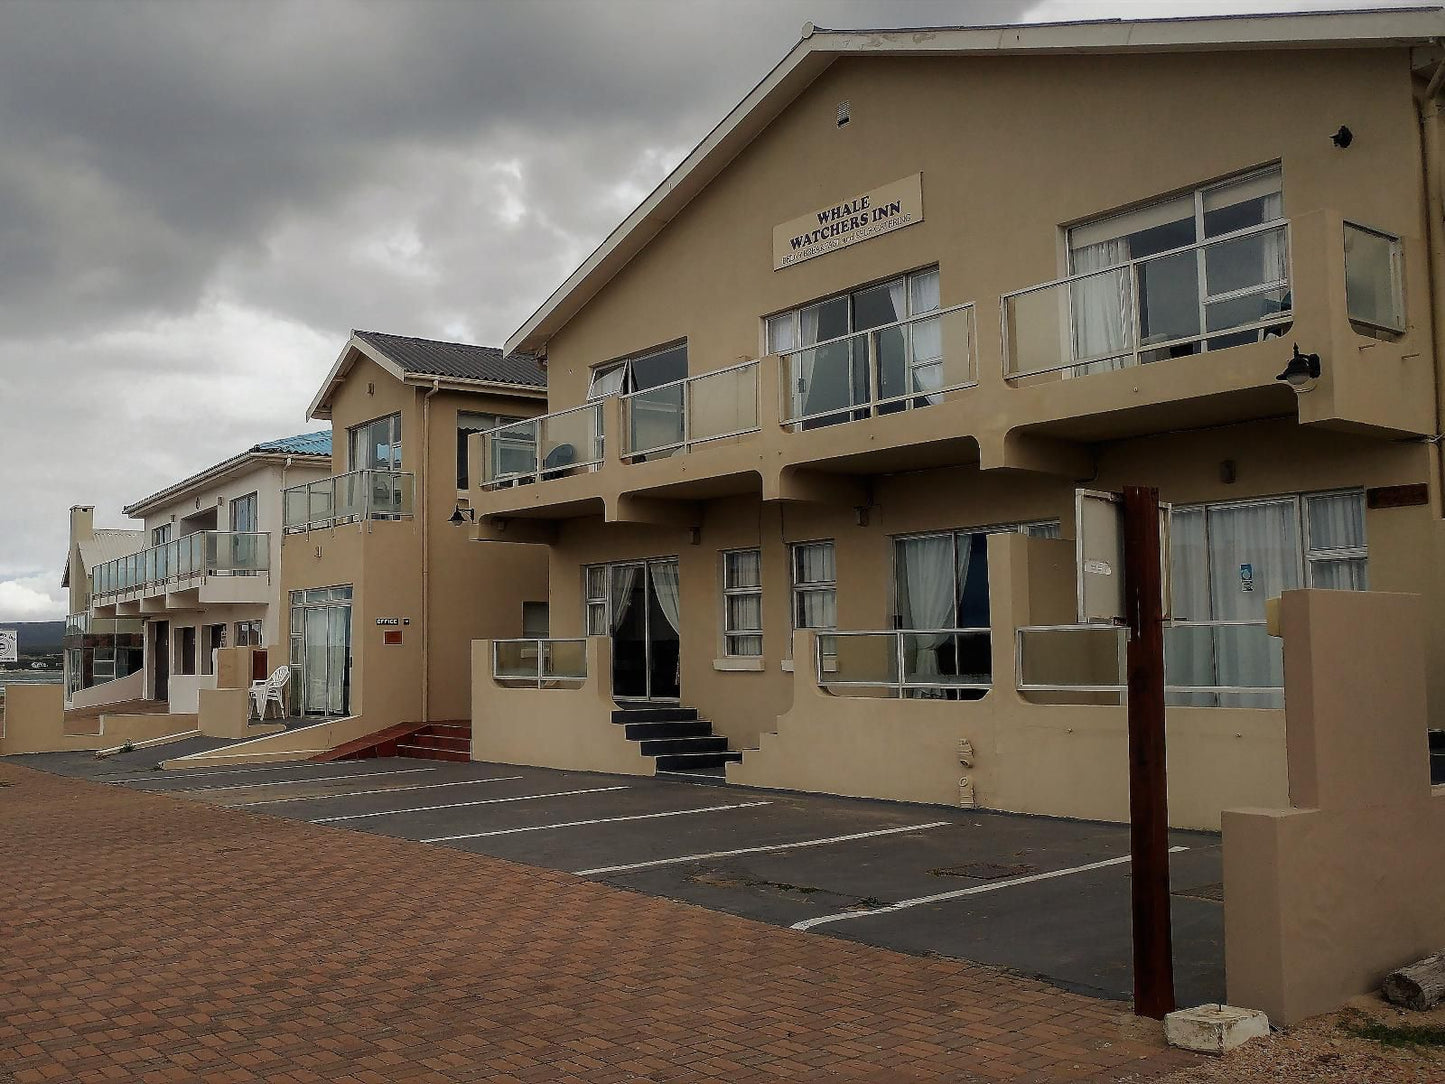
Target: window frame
x=730 y=591
x=800 y=588
x=1397 y=279
x=498 y=421
x=253 y=499
x=629 y=378
x=394 y=446
x=162 y=535
x=794 y=313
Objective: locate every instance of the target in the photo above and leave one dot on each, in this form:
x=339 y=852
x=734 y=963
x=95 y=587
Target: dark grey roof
x=463 y=361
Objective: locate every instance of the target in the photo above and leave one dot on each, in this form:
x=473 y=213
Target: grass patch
x=1398 y=1036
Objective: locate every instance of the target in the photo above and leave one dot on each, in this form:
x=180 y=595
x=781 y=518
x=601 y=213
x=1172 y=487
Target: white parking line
x=464 y=805
x=176 y=775
x=758 y=850
x=599 y=820
x=299 y=782
x=903 y=905
x=384 y=790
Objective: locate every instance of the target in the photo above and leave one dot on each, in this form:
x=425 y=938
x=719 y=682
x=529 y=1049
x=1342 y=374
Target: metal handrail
x=399 y=508
x=900 y=660
x=874 y=400
x=184 y=558
x=1130 y=268
x=539 y=678
x=688 y=442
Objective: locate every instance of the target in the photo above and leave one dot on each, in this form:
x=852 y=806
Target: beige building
x=150 y=608
x=822 y=411
x=385 y=587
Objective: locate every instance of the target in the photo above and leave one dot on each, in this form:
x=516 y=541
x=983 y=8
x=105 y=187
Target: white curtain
x=1337 y=522
x=1253 y=556
x=1276 y=262
x=606 y=382
x=926 y=566
x=1189 y=652
x=664 y=586
x=1102 y=306
x=805 y=360
x=624 y=579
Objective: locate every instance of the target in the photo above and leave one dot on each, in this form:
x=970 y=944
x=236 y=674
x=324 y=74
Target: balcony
x=208 y=567
x=548 y=446
x=684 y=415
x=347 y=498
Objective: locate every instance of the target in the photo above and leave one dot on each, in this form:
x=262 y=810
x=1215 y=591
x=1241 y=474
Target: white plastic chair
x=268 y=692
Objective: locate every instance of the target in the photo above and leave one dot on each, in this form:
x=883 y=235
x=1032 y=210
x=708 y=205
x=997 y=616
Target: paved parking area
x=1044 y=898
x=163 y=937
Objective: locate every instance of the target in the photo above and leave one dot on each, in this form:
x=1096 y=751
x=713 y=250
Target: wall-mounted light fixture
x=462 y=515
x=1342 y=138
x=1302 y=371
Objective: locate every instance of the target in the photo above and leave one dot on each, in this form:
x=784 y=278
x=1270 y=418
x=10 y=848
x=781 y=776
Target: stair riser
x=654 y=715
x=715 y=744
x=681 y=762
x=418 y=752
x=656 y=731
x=433 y=741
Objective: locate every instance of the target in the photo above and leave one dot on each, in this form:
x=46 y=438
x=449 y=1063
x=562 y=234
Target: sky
x=200 y=200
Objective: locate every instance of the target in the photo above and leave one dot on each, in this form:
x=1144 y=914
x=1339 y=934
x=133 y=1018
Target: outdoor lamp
x=1302 y=371
x=461 y=515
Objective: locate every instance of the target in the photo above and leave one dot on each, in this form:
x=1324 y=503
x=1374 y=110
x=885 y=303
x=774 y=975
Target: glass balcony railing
x=1222 y=292
x=539 y=663
x=547 y=446
x=347 y=498
x=676 y=417
x=900 y=366
x=192 y=556
x=907 y=662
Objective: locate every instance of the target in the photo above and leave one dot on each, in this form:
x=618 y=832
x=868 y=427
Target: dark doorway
x=161 y=658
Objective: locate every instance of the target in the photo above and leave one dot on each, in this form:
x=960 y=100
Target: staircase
x=683 y=745
x=451 y=740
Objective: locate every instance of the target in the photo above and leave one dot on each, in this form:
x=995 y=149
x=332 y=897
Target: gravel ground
x=1323 y=1051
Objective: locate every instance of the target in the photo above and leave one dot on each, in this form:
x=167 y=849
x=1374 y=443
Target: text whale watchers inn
x=870 y=214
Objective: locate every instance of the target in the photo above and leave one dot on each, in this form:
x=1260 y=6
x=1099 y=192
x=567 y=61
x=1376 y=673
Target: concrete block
x=1214 y=1029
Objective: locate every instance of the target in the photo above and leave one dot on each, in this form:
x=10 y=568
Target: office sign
x=860 y=217
x=9 y=645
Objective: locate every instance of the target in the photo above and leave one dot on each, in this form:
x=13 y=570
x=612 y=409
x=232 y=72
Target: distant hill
x=38 y=637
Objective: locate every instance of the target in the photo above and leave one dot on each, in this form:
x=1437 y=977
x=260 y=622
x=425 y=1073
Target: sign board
x=1099 y=548
x=391 y=638
x=9 y=645
x=859 y=217
x=388 y=621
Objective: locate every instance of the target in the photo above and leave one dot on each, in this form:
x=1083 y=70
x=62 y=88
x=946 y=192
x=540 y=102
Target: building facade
x=823 y=411
x=385 y=588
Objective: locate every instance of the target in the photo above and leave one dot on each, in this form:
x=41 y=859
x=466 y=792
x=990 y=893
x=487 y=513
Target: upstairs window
x=243 y=514
x=469 y=422
x=1202 y=271
x=376 y=445
x=1374 y=293
x=161 y=535
x=647 y=370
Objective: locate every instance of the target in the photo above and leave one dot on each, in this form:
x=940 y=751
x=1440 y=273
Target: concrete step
x=712 y=777
x=441 y=741
x=689 y=762
x=680 y=729
x=425 y=752
x=711 y=743
x=654 y=715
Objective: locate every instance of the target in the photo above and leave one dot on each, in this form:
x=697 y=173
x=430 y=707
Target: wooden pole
x=1148 y=787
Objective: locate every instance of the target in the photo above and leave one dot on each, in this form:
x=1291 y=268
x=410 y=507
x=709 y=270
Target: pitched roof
x=461 y=361
x=318 y=443
x=107 y=544
x=819 y=48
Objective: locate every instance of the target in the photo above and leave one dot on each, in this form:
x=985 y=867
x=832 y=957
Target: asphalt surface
x=1014 y=893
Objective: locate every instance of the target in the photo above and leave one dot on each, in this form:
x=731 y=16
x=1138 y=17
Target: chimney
x=82 y=523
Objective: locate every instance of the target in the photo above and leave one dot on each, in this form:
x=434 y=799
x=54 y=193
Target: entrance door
x=161 y=658
x=321 y=651
x=643 y=603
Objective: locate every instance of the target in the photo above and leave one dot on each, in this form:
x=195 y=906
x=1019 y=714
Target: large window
x=376 y=445
x=244 y=514
x=743 y=602
x=815 y=589
x=1228 y=559
x=161 y=535
x=828 y=379
x=469 y=422
x=1202 y=271
x=647 y=370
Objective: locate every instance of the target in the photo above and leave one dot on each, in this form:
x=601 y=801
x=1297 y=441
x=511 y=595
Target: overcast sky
x=199 y=200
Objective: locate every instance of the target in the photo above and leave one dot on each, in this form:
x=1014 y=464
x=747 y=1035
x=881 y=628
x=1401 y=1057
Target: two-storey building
x=820 y=411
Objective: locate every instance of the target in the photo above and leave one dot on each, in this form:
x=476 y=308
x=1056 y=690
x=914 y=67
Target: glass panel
x=1243 y=262
x=748 y=645
x=663 y=367
x=923 y=293
x=723 y=403
x=1340 y=574
x=1091 y=658
x=1336 y=521
x=597 y=581
x=782 y=333
x=564 y=659
x=314 y=649
x=870 y=659
x=817 y=608
x=1169 y=298
x=1372 y=278
x=1244 y=656
x=744 y=613
x=570 y=438
x=1240 y=311
x=338 y=641
x=813 y=562
x=515 y=658
x=597 y=619
x=1239 y=204
x=743 y=568
x=654 y=419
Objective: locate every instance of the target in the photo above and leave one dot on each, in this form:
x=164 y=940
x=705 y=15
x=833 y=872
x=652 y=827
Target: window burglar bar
x=538 y=663
x=907 y=661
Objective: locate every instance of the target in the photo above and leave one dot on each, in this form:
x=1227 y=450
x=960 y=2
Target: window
x=213 y=638
x=469 y=422
x=376 y=445
x=815 y=589
x=186 y=650
x=243 y=514
x=1374 y=294
x=1189 y=290
x=647 y=370
x=596 y=576
x=248 y=634
x=743 y=602
x=1335 y=554
x=161 y=535
x=536 y=620
x=836 y=375
x=941 y=584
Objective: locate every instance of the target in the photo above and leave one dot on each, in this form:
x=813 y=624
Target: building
x=822 y=411
x=149 y=608
x=385 y=587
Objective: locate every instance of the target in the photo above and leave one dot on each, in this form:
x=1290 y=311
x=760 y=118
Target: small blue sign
x=1246 y=578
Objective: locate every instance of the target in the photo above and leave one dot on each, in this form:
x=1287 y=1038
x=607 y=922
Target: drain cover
x=985 y=871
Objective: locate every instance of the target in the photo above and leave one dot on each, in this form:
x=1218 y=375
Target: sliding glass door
x=637 y=603
x=321 y=651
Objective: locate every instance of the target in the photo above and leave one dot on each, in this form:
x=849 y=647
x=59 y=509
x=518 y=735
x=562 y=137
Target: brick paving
x=152 y=938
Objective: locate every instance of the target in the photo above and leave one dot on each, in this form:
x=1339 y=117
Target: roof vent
x=845 y=108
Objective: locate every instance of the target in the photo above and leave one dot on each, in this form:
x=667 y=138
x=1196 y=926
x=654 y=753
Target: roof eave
x=211 y=475
x=819 y=48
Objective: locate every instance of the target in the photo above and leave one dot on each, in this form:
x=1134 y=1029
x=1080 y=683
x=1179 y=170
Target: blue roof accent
x=318 y=443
